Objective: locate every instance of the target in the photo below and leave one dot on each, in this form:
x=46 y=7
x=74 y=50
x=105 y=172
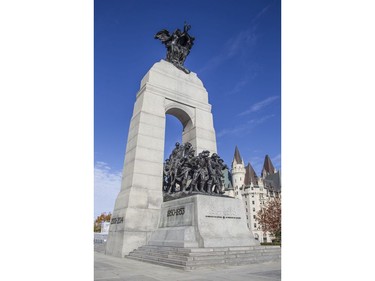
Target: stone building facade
x=255 y=191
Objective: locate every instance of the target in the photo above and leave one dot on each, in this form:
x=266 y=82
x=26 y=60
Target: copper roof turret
x=237 y=156
x=250 y=176
x=268 y=168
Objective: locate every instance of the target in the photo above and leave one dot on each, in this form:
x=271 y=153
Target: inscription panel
x=117 y=220
x=225 y=211
x=217 y=214
x=224 y=217
x=176 y=212
x=181 y=215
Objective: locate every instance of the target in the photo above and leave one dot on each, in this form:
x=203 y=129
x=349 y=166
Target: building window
x=240 y=178
x=255 y=225
x=252 y=195
x=253 y=209
x=247 y=216
x=254 y=216
x=246 y=210
x=245 y=201
x=253 y=202
x=252 y=188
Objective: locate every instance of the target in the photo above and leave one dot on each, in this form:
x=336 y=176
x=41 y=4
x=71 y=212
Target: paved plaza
x=108 y=268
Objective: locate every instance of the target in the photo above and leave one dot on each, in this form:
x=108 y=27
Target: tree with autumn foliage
x=269 y=218
x=99 y=219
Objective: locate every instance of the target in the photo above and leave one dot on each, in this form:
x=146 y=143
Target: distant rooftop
x=268 y=167
x=250 y=175
x=237 y=156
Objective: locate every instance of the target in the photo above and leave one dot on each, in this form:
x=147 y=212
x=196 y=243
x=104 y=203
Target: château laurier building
x=253 y=190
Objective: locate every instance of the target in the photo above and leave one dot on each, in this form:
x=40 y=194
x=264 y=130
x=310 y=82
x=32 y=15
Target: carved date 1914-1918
x=176 y=212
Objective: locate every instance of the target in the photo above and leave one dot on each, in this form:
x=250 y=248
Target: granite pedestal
x=202 y=221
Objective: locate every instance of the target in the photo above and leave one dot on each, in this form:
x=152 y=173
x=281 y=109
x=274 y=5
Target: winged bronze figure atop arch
x=178 y=45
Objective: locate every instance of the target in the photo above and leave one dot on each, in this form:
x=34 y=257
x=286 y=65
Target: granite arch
x=164 y=90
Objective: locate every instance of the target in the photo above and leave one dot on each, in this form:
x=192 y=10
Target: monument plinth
x=201 y=221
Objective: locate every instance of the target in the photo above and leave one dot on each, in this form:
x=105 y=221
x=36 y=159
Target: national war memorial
x=174 y=212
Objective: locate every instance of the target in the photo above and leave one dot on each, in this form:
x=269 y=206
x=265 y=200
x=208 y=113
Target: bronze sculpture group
x=184 y=173
x=178 y=45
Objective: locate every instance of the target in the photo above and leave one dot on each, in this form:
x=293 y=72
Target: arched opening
x=181 y=115
x=177 y=126
x=173 y=134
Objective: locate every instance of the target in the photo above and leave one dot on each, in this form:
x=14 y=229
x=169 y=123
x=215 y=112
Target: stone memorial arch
x=165 y=89
x=196 y=217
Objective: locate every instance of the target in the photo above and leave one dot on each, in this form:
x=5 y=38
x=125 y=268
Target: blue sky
x=236 y=54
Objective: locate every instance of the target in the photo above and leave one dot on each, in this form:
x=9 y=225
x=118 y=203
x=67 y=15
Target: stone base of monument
x=202 y=230
x=202 y=221
x=194 y=258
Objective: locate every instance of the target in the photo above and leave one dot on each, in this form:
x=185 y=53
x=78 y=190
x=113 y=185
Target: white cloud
x=233 y=131
x=107 y=184
x=260 y=14
x=259 y=105
x=245 y=128
x=241 y=42
x=261 y=120
x=252 y=73
x=238 y=45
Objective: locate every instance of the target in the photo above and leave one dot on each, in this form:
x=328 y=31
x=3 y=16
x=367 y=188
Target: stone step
x=196 y=251
x=230 y=258
x=161 y=259
x=165 y=252
x=202 y=257
x=155 y=256
x=192 y=258
x=158 y=262
x=210 y=260
x=204 y=250
x=218 y=263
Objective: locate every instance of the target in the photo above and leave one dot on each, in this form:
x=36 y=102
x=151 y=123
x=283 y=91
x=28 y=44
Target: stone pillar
x=138 y=202
x=164 y=90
